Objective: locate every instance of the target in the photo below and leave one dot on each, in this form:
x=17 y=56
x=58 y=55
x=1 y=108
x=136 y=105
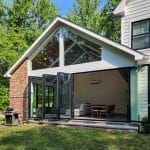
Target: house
x=68 y=69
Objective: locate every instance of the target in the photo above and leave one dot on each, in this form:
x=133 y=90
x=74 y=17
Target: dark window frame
x=132 y=36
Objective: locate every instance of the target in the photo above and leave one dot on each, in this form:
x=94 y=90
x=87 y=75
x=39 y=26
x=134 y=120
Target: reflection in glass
x=36 y=103
x=48 y=56
x=79 y=50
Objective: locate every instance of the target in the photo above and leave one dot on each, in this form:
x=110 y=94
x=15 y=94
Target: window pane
x=141 y=27
x=141 y=41
x=48 y=56
x=79 y=50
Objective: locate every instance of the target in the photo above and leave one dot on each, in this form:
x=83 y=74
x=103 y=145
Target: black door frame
x=32 y=79
x=44 y=81
x=149 y=92
x=71 y=94
x=72 y=91
x=129 y=96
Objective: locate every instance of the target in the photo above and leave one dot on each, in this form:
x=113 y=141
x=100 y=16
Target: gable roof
x=61 y=21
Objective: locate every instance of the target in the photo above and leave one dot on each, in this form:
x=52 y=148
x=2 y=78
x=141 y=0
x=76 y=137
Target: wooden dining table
x=97 y=109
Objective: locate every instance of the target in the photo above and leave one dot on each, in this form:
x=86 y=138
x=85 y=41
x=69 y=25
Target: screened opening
x=48 y=56
x=79 y=50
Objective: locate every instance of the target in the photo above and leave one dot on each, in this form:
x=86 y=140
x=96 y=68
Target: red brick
x=18 y=89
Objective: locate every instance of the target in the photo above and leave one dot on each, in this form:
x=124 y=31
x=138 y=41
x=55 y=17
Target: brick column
x=18 y=90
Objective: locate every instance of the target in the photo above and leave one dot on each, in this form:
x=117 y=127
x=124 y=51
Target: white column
x=61 y=48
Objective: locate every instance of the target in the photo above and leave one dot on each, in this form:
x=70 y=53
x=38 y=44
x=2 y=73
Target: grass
x=40 y=137
x=2 y=120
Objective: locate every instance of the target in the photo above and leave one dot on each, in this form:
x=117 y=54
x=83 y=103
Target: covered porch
x=102 y=95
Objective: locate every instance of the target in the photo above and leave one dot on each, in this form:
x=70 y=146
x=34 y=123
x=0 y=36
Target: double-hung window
x=141 y=34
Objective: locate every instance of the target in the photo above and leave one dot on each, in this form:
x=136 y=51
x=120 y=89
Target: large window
x=78 y=49
x=141 y=34
x=49 y=55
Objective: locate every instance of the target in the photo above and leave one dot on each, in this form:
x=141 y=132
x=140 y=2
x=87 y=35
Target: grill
x=11 y=117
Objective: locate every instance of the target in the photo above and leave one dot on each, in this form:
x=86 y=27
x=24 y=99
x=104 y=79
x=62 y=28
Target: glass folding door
x=49 y=84
x=35 y=102
x=64 y=95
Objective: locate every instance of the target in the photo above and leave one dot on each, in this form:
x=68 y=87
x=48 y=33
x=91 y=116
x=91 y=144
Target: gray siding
x=143 y=92
x=135 y=10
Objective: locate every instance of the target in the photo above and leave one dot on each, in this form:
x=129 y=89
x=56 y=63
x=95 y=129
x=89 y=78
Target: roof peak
x=59 y=21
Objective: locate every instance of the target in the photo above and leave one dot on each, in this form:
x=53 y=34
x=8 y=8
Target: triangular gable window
x=79 y=50
x=48 y=55
x=76 y=49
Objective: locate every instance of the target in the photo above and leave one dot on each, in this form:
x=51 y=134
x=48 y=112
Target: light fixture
x=95 y=81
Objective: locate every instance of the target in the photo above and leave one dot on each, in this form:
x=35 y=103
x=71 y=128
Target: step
x=104 y=124
x=92 y=124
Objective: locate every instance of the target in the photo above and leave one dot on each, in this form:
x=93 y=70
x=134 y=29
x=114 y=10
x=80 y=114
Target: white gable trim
x=120 y=9
x=53 y=26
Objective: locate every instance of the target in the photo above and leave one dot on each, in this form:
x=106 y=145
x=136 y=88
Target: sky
x=65 y=5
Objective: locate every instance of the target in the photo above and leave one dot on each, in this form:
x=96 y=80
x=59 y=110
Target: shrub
x=146 y=124
x=4 y=98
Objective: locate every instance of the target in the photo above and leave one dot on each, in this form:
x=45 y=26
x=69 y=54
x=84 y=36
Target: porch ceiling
x=78 y=68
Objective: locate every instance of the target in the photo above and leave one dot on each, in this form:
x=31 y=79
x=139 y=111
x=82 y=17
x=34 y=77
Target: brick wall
x=18 y=89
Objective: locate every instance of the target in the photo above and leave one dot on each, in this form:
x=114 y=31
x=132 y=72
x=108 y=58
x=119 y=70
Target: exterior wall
x=135 y=10
x=18 y=89
x=139 y=93
x=143 y=92
x=111 y=59
x=112 y=89
x=133 y=95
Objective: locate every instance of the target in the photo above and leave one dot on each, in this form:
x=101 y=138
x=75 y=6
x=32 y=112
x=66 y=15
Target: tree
x=109 y=24
x=20 y=24
x=86 y=14
x=32 y=16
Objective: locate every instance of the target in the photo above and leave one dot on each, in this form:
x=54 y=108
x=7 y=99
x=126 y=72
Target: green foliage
x=21 y=22
x=146 y=124
x=3 y=98
x=109 y=24
x=38 y=137
x=87 y=14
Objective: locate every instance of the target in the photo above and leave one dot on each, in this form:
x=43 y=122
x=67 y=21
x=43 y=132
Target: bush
x=146 y=124
x=4 y=98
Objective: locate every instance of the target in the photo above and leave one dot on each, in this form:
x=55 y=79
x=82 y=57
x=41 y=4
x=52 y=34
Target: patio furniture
x=76 y=112
x=103 y=111
x=85 y=109
x=95 y=110
x=107 y=111
x=95 y=113
x=111 y=110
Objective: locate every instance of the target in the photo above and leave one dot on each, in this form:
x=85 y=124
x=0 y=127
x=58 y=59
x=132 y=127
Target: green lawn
x=39 y=137
x=2 y=120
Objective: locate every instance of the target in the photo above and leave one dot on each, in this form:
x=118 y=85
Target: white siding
x=143 y=92
x=111 y=59
x=135 y=10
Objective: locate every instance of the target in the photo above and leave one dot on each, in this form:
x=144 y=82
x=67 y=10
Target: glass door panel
x=35 y=97
x=65 y=102
x=49 y=97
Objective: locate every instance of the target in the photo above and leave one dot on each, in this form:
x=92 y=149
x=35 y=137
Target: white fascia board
x=120 y=9
x=136 y=55
x=60 y=20
x=30 y=49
